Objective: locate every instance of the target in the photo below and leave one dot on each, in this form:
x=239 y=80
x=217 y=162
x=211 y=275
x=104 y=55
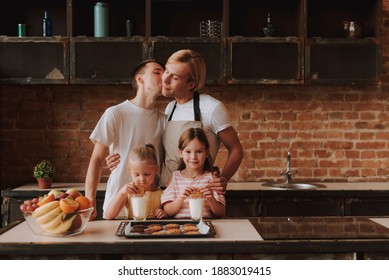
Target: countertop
x=239 y=186
x=332 y=237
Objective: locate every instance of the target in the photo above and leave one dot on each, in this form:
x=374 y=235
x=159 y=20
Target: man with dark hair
x=124 y=126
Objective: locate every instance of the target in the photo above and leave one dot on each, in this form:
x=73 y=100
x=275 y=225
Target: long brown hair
x=189 y=135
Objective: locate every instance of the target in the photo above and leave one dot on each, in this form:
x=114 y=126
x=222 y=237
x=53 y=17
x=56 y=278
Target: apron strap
x=196 y=107
x=171 y=114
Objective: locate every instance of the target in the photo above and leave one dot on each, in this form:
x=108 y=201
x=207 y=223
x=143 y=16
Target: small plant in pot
x=44 y=173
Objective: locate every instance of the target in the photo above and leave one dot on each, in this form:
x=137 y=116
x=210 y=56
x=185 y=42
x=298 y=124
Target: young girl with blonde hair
x=143 y=167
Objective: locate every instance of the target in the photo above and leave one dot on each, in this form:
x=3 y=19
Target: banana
x=53 y=223
x=45 y=208
x=62 y=227
x=45 y=218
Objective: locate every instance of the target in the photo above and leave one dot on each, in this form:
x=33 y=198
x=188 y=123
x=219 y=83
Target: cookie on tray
x=137 y=230
x=170 y=226
x=192 y=232
x=174 y=231
x=161 y=232
x=190 y=228
x=153 y=228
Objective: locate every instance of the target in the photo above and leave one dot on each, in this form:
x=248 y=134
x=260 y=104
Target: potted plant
x=44 y=173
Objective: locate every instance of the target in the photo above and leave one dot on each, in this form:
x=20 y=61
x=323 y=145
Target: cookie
x=189 y=224
x=190 y=228
x=173 y=231
x=140 y=190
x=155 y=226
x=170 y=226
x=192 y=232
x=196 y=193
x=159 y=233
x=139 y=226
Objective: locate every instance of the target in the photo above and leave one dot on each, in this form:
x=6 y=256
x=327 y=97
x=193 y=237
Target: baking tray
x=124 y=229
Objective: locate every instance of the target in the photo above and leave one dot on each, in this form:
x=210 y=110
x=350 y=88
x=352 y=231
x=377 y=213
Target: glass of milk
x=196 y=206
x=139 y=207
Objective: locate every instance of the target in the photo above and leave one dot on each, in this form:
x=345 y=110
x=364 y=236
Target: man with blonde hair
x=184 y=76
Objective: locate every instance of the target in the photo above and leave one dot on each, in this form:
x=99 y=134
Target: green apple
x=73 y=192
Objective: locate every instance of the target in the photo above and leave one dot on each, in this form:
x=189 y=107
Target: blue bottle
x=101 y=19
x=46 y=26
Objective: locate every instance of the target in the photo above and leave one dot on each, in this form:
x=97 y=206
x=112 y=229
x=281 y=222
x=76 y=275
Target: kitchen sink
x=294 y=186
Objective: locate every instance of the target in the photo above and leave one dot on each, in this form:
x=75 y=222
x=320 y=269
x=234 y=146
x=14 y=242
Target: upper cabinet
x=343 y=41
x=242 y=41
x=25 y=55
x=265 y=43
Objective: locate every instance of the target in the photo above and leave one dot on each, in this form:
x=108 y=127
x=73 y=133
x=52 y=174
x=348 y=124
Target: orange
x=68 y=205
x=46 y=199
x=83 y=201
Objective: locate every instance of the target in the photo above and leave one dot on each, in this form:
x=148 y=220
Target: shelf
x=174 y=18
x=309 y=46
x=31 y=13
x=119 y=13
x=287 y=17
x=325 y=17
x=105 y=60
x=34 y=60
x=265 y=60
x=343 y=61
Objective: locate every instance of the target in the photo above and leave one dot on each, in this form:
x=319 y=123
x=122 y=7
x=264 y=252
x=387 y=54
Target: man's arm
x=93 y=175
x=231 y=141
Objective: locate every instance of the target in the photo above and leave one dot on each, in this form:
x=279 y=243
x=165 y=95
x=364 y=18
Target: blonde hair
x=189 y=135
x=196 y=63
x=146 y=153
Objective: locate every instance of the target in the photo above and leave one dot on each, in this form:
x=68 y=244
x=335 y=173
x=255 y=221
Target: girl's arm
x=173 y=207
x=118 y=202
x=217 y=208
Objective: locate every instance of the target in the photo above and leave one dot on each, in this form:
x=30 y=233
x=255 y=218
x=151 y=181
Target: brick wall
x=334 y=133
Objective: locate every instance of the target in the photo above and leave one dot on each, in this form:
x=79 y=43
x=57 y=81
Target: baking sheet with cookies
x=165 y=229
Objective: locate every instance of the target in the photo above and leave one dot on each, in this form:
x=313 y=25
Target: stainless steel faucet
x=286 y=173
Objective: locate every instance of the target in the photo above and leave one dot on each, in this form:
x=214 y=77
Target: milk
x=196 y=206
x=139 y=207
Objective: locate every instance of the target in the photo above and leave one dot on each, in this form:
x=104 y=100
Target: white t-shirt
x=123 y=127
x=214 y=115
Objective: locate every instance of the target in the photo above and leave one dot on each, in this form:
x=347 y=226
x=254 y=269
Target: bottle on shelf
x=46 y=26
x=101 y=19
x=269 y=29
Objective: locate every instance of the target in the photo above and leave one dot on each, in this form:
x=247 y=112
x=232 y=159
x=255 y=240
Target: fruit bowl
x=58 y=224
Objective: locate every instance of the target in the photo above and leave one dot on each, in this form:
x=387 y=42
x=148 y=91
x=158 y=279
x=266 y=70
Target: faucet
x=286 y=173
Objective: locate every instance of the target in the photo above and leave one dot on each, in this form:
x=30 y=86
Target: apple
x=76 y=224
x=73 y=192
x=56 y=193
x=62 y=196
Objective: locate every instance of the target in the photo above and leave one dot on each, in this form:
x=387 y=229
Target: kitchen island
x=243 y=238
x=252 y=199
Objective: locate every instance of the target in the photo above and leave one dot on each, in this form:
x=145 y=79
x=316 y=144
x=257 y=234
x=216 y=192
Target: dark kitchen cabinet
x=301 y=206
x=367 y=206
x=34 y=59
x=343 y=41
x=309 y=44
